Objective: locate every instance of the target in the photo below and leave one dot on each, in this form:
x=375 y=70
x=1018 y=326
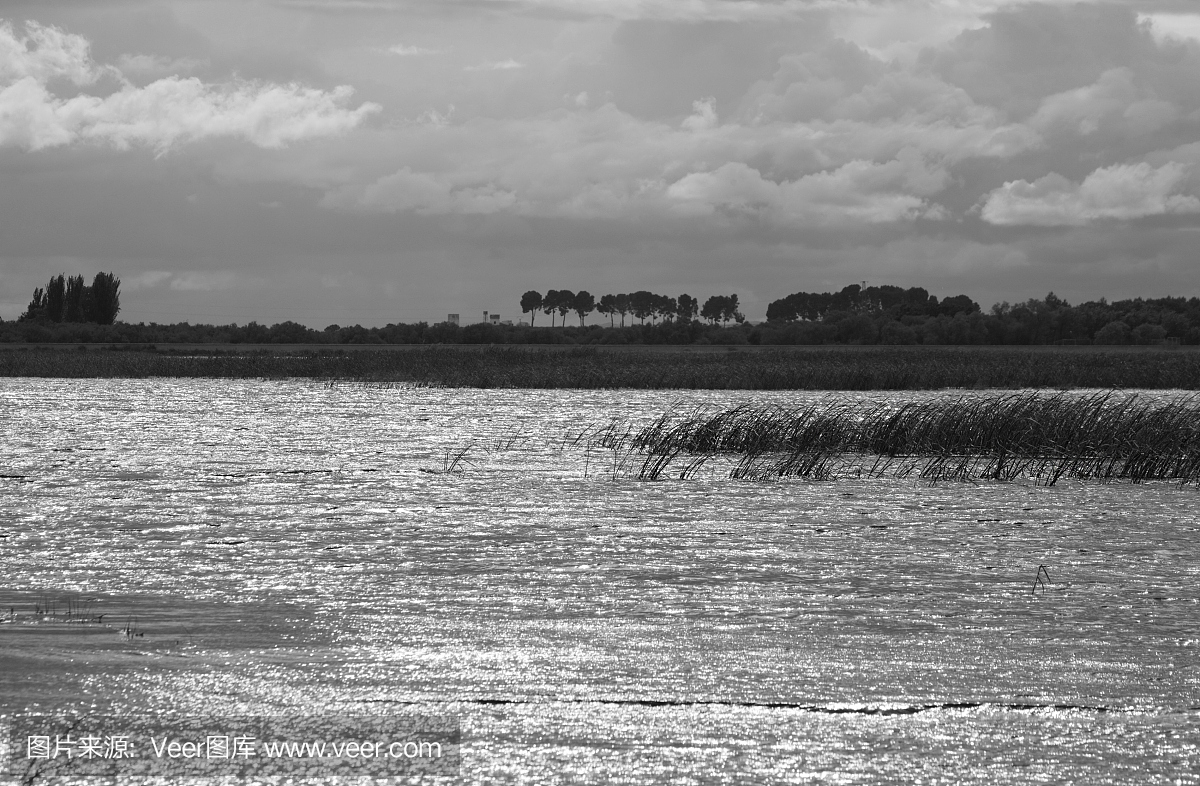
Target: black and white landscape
x=725 y=562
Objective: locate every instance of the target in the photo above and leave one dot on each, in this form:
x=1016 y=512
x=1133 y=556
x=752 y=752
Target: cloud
x=411 y=51
x=162 y=114
x=184 y=281
x=704 y=116
x=42 y=54
x=688 y=10
x=205 y=281
x=603 y=162
x=149 y=279
x=1172 y=27
x=500 y=65
x=425 y=194
x=1114 y=101
x=887 y=11
x=156 y=66
x=859 y=191
x=1120 y=192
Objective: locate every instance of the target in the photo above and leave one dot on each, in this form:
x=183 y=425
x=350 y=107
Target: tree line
x=915 y=301
x=68 y=311
x=67 y=299
x=892 y=315
x=642 y=305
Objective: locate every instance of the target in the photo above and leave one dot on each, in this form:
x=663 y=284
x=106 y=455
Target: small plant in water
x=131 y=631
x=453 y=461
x=1038 y=579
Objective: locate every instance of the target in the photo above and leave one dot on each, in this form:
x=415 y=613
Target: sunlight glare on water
x=461 y=551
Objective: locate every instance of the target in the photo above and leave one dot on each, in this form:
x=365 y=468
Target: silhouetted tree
x=55 y=296
x=106 y=298
x=729 y=310
x=641 y=303
x=963 y=304
x=686 y=307
x=36 y=308
x=623 y=307
x=550 y=304
x=608 y=307
x=531 y=301
x=713 y=308
x=583 y=304
x=783 y=310
x=664 y=306
x=73 y=300
x=566 y=301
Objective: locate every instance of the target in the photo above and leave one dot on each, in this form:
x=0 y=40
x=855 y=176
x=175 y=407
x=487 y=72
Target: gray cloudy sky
x=374 y=161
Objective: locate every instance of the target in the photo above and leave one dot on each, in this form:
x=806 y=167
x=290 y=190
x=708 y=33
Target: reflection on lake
x=290 y=546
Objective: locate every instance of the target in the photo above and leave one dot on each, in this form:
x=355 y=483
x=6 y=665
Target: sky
x=376 y=161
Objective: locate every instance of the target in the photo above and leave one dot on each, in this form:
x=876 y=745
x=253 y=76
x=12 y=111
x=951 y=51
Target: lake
x=266 y=547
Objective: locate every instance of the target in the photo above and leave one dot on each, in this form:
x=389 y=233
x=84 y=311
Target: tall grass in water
x=998 y=437
x=833 y=368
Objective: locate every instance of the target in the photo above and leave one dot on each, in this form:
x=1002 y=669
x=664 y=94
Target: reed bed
x=833 y=368
x=1044 y=437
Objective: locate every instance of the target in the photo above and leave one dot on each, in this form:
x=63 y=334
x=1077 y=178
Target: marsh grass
x=820 y=368
x=69 y=609
x=1043 y=437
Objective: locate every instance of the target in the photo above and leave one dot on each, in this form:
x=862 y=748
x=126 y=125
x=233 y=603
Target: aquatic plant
x=1039 y=581
x=1041 y=436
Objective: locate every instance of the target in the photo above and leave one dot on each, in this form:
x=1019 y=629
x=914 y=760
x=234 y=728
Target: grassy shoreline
x=815 y=368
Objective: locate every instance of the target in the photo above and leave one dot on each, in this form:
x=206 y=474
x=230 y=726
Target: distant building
x=452 y=319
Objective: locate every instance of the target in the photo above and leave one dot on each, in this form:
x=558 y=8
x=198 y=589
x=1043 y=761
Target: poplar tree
x=73 y=300
x=105 y=298
x=55 y=296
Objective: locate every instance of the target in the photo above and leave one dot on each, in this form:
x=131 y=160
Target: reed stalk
x=1044 y=437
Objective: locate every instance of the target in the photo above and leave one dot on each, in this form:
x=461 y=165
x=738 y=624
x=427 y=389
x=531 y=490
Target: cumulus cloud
x=1120 y=192
x=162 y=114
x=703 y=117
x=1172 y=27
x=42 y=54
x=606 y=163
x=831 y=134
x=859 y=191
x=1114 y=100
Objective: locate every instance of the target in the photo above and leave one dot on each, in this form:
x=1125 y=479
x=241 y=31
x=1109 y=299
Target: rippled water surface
x=289 y=546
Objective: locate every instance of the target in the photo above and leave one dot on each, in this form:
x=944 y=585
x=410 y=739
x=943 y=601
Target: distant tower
x=452 y=319
x=485 y=319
